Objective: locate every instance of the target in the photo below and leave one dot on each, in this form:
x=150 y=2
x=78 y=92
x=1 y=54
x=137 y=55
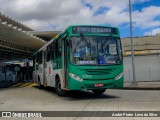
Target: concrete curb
x=140 y=88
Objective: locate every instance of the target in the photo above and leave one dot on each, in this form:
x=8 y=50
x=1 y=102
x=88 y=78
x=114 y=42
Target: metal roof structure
x=16 y=41
x=13 y=22
x=45 y=35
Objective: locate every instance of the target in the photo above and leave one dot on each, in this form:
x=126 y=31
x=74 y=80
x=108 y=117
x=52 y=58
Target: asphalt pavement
x=28 y=97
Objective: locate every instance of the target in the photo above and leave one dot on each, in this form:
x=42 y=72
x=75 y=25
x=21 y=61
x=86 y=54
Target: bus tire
x=40 y=86
x=98 y=91
x=58 y=89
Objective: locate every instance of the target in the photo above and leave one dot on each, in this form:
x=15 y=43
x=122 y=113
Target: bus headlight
x=119 y=76
x=76 y=77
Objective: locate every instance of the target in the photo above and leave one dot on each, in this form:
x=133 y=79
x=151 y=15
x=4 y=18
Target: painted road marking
x=25 y=84
x=16 y=85
x=28 y=84
x=32 y=85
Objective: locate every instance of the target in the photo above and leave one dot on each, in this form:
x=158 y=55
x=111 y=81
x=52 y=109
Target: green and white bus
x=83 y=57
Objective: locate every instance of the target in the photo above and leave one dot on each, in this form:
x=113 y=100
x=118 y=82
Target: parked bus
x=9 y=73
x=82 y=57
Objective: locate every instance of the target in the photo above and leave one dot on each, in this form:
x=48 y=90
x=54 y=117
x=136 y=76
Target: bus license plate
x=98 y=85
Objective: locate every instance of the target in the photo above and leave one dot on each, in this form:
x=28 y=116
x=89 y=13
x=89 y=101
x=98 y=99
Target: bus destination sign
x=93 y=30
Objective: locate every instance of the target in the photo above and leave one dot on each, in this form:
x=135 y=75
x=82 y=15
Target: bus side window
x=40 y=57
x=36 y=61
x=48 y=53
x=33 y=62
x=58 y=48
x=53 y=51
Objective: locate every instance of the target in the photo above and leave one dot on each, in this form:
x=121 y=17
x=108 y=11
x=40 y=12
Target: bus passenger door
x=64 y=63
x=44 y=66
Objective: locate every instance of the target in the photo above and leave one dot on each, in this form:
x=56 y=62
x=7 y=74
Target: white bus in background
x=2 y=75
x=9 y=73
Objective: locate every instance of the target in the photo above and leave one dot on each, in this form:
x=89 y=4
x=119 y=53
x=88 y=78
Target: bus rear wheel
x=98 y=91
x=59 y=90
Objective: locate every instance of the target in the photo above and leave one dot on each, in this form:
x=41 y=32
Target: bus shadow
x=83 y=95
x=80 y=95
x=47 y=89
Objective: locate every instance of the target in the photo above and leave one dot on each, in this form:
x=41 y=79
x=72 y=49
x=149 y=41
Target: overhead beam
x=45 y=35
x=16 y=47
x=8 y=56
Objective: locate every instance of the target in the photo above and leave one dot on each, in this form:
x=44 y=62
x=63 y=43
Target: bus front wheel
x=98 y=91
x=59 y=90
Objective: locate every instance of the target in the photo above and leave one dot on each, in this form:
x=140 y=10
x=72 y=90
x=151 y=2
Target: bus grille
x=98 y=79
x=98 y=71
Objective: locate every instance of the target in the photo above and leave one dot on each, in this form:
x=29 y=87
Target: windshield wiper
x=85 y=40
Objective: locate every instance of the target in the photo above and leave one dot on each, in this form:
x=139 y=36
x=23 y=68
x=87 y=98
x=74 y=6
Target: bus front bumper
x=91 y=84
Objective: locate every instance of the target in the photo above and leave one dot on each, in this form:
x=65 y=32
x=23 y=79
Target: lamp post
x=134 y=82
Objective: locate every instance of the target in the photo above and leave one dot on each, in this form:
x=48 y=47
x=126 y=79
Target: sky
x=53 y=15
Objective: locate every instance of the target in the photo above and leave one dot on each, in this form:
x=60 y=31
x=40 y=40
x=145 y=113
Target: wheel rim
x=59 y=87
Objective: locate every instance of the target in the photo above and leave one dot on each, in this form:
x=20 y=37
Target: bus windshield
x=95 y=50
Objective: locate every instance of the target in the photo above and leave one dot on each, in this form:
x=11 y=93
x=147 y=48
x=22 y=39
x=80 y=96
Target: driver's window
x=112 y=48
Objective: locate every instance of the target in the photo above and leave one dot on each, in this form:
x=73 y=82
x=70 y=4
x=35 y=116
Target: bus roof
x=48 y=43
x=91 y=25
